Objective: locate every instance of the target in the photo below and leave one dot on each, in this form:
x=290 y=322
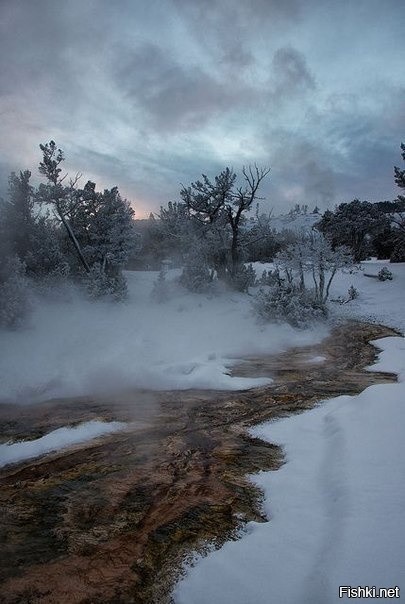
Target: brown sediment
x=112 y=520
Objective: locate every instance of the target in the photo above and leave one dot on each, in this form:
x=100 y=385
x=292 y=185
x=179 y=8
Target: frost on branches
x=98 y=227
x=299 y=288
x=14 y=298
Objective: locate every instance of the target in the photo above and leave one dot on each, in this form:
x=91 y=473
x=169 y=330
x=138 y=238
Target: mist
x=74 y=347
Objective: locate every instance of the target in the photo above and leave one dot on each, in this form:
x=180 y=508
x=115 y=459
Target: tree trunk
x=321 y=282
x=73 y=239
x=329 y=282
x=234 y=255
x=302 y=280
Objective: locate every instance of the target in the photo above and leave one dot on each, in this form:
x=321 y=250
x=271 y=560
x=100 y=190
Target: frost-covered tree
x=241 y=201
x=60 y=197
x=14 y=296
x=16 y=215
x=261 y=242
x=173 y=231
x=28 y=233
x=285 y=303
x=98 y=225
x=312 y=256
x=398 y=219
x=196 y=275
x=104 y=227
x=288 y=297
x=205 y=202
x=323 y=262
x=45 y=258
x=399 y=174
x=216 y=212
x=294 y=261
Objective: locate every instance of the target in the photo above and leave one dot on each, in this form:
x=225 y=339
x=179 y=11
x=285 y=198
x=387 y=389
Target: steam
x=75 y=347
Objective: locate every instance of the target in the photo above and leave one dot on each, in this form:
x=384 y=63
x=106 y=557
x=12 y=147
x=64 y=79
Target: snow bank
x=75 y=347
x=336 y=507
x=55 y=440
x=378 y=301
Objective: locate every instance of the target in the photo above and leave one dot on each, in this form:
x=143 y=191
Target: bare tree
x=217 y=210
x=241 y=201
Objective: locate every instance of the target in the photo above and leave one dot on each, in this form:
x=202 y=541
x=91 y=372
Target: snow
x=297 y=223
x=379 y=301
x=317 y=359
x=75 y=347
x=336 y=508
x=56 y=440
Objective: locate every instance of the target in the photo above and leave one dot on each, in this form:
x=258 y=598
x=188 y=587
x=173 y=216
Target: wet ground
x=113 y=519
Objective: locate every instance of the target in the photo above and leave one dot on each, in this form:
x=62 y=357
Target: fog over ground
x=74 y=347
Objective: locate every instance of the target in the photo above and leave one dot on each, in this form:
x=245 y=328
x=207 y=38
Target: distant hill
x=295 y=222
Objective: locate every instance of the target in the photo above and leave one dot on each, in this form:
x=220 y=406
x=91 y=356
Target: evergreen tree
x=354 y=225
x=16 y=216
x=216 y=212
x=398 y=252
x=104 y=227
x=400 y=174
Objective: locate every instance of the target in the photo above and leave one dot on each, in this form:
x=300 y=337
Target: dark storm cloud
x=174 y=95
x=303 y=171
x=146 y=95
x=291 y=73
x=39 y=42
x=344 y=152
x=226 y=29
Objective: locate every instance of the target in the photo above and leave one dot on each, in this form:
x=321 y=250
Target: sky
x=148 y=95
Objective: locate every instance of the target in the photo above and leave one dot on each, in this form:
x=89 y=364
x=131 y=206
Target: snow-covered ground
x=337 y=506
x=378 y=302
x=74 y=347
x=55 y=440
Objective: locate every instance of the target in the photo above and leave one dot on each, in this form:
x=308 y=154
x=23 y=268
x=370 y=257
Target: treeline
x=60 y=232
x=209 y=232
x=368 y=229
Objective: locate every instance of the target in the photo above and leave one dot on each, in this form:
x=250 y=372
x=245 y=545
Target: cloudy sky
x=148 y=94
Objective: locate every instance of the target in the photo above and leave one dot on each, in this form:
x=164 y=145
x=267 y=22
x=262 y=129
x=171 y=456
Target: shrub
x=352 y=293
x=270 y=277
x=385 y=274
x=196 y=276
x=289 y=304
x=99 y=284
x=160 y=291
x=244 y=278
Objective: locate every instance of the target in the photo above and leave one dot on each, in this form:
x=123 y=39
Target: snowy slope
x=379 y=301
x=296 y=223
